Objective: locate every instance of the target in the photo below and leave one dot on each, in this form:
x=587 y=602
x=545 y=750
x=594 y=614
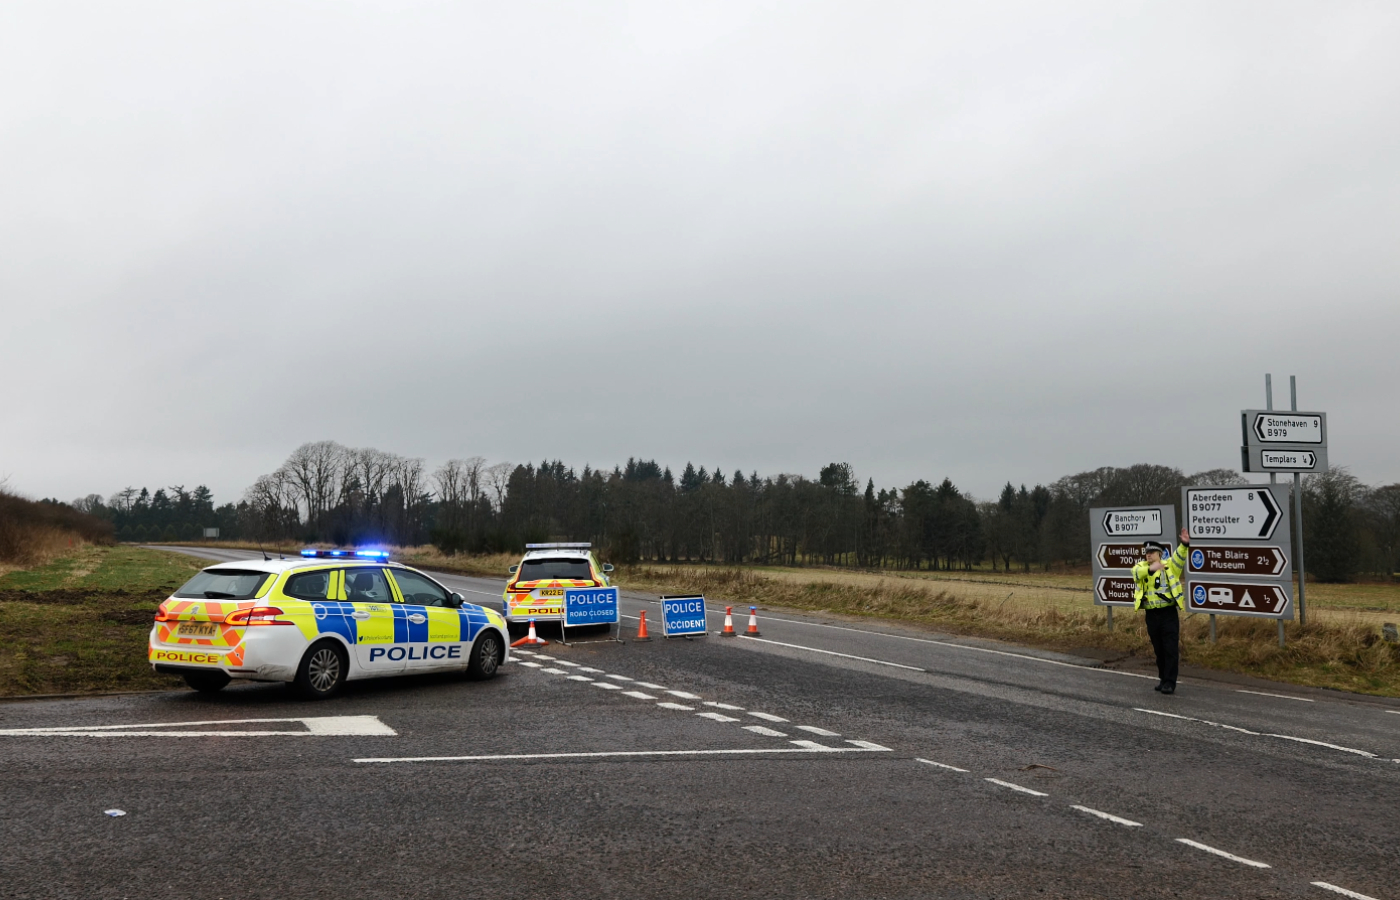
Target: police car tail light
x=162 y=615
x=257 y=615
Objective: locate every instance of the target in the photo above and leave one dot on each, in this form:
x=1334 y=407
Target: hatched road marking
x=767 y=717
x=812 y=729
x=318 y=726
x=666 y=704
x=764 y=730
x=638 y=694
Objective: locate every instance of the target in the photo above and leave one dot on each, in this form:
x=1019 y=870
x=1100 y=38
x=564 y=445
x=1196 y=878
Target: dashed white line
x=638 y=694
x=929 y=762
x=1016 y=787
x=590 y=669
x=869 y=746
x=1117 y=820
x=1341 y=890
x=563 y=662
x=767 y=717
x=606 y=686
x=1286 y=737
x=618 y=677
x=729 y=706
x=813 y=745
x=815 y=730
x=684 y=695
x=579 y=678
x=718 y=717
x=533 y=665
x=1218 y=852
x=554 y=671
x=1280 y=696
x=651 y=687
x=764 y=730
x=878 y=662
x=682 y=708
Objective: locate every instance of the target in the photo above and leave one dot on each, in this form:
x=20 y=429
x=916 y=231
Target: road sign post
x=1116 y=536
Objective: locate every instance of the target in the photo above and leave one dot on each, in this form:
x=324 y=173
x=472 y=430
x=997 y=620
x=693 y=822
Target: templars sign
x=1116 y=535
x=1241 y=598
x=1261 y=458
x=1250 y=513
x=1271 y=427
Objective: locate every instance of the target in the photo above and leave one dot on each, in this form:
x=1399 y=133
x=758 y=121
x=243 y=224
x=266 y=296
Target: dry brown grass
x=1336 y=654
x=33 y=533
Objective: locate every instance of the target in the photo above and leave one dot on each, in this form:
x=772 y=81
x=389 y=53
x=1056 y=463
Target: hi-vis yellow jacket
x=1158 y=590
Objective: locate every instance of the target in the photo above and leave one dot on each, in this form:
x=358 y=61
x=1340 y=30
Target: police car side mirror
x=514 y=569
x=607 y=567
x=455 y=601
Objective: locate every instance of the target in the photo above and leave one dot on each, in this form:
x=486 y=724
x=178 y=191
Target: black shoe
x=1169 y=689
x=1160 y=685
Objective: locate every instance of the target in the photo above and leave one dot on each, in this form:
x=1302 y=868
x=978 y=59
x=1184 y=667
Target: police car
x=319 y=620
x=536 y=586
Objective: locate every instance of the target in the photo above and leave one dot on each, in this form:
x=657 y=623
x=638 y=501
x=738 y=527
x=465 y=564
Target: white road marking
x=522 y=652
x=1341 y=890
x=1016 y=787
x=592 y=670
x=563 y=662
x=651 y=687
x=618 y=677
x=579 y=678
x=318 y=726
x=1395 y=712
x=729 y=706
x=807 y=747
x=554 y=671
x=1218 y=852
x=638 y=694
x=764 y=730
x=1280 y=696
x=869 y=746
x=684 y=695
x=1286 y=737
x=878 y=662
x=1109 y=816
x=606 y=686
x=767 y=717
x=929 y=762
x=667 y=705
x=533 y=665
x=718 y=717
x=815 y=730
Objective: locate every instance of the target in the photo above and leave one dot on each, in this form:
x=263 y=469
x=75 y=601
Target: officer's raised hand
x=1186 y=537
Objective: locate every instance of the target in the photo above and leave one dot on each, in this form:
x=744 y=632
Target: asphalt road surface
x=824 y=758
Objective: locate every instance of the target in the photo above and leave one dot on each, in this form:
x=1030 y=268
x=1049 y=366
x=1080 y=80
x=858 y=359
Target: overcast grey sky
x=987 y=241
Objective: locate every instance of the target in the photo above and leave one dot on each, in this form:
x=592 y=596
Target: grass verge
x=1341 y=654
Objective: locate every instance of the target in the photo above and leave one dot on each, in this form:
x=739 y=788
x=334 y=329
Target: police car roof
x=277 y=566
x=577 y=553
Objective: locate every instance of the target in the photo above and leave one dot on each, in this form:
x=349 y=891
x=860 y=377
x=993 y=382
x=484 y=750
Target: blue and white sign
x=1198 y=595
x=683 y=616
x=591 y=606
x=1198 y=560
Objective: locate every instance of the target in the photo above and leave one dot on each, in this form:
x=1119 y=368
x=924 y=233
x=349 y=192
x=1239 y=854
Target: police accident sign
x=682 y=616
x=591 y=606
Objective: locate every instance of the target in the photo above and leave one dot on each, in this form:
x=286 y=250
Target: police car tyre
x=207 y=682
x=322 y=671
x=486 y=656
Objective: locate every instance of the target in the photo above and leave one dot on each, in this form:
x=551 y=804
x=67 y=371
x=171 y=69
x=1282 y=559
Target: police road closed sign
x=591 y=606
x=682 y=616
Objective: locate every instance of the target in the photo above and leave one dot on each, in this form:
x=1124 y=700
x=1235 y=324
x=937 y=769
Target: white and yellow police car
x=536 y=586
x=319 y=620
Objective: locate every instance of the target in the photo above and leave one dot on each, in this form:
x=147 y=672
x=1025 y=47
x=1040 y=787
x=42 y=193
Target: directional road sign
x=1268 y=599
x=1239 y=559
x=1262 y=458
x=1117 y=535
x=1270 y=427
x=1249 y=513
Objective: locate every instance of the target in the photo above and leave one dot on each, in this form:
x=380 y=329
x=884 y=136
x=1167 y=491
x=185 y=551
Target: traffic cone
x=753 y=622
x=642 y=629
x=728 y=623
x=529 y=639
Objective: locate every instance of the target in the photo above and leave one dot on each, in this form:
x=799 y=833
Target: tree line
x=326 y=492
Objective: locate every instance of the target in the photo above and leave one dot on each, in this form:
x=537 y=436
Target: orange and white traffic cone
x=530 y=639
x=753 y=622
x=642 y=629
x=728 y=623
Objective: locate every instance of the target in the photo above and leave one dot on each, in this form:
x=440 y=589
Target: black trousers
x=1164 y=628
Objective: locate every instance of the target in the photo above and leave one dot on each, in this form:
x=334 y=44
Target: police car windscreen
x=548 y=569
x=223 y=584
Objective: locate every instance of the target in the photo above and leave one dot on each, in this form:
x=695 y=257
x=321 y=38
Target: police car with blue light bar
x=319 y=620
x=537 y=583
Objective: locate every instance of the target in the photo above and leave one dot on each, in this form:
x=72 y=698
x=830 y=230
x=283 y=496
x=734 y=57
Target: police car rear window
x=564 y=569
x=223 y=584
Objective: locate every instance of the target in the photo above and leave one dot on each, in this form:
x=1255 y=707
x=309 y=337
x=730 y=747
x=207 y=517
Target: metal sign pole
x=1298 y=517
x=1110 y=617
x=1273 y=476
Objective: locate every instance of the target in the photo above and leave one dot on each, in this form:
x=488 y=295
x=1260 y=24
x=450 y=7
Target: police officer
x=1157 y=589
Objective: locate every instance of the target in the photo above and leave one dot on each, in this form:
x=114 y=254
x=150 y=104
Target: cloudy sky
x=987 y=241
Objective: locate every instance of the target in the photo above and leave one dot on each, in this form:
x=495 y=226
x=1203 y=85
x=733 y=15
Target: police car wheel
x=486 y=657
x=322 y=671
x=207 y=682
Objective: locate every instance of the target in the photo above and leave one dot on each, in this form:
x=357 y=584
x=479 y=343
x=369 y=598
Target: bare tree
x=498 y=479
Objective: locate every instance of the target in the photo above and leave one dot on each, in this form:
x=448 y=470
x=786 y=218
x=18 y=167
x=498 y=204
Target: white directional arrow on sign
x=1232 y=513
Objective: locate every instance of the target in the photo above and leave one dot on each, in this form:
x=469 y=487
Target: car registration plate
x=552 y=592
x=198 y=629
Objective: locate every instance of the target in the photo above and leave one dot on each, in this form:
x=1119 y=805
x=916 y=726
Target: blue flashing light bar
x=312 y=553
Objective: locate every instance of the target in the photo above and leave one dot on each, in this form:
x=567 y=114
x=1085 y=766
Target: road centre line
x=1118 y=820
x=807 y=747
x=1341 y=890
x=1016 y=787
x=878 y=662
x=1280 y=696
x=1286 y=737
x=929 y=762
x=1218 y=852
